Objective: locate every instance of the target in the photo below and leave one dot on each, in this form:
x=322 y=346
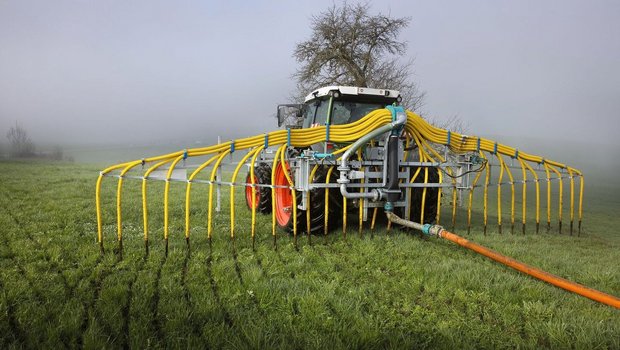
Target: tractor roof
x=352 y=90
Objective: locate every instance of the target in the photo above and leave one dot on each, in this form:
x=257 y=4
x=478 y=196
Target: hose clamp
x=426 y=229
x=395 y=110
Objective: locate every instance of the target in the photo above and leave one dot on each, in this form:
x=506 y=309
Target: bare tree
x=454 y=123
x=21 y=145
x=350 y=46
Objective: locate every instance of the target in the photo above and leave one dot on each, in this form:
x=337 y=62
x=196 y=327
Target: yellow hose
x=471 y=198
x=188 y=192
x=166 y=190
x=499 y=192
x=210 y=207
x=253 y=180
x=548 y=196
x=572 y=198
x=486 y=191
x=232 y=188
x=580 y=201
x=273 y=192
x=512 y=196
x=560 y=197
x=361 y=200
x=327 y=178
x=430 y=158
x=118 y=199
x=424 y=195
x=524 y=195
x=293 y=192
x=98 y=208
x=453 y=200
x=145 y=218
x=537 y=194
x=439 y=191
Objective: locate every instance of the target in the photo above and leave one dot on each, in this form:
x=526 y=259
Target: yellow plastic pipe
x=499 y=192
x=580 y=200
x=253 y=180
x=486 y=191
x=145 y=218
x=188 y=190
x=524 y=195
x=548 y=196
x=273 y=192
x=118 y=200
x=210 y=206
x=327 y=178
x=561 y=189
x=471 y=197
x=285 y=169
x=361 y=200
x=166 y=190
x=232 y=188
x=537 y=185
x=572 y=198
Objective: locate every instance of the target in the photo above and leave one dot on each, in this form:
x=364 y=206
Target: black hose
x=393 y=190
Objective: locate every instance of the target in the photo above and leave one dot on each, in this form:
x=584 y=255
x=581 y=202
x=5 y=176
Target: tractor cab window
x=343 y=111
x=347 y=112
x=316 y=113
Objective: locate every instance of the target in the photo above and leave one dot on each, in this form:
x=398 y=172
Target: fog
x=104 y=73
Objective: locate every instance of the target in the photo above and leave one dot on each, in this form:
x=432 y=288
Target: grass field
x=381 y=290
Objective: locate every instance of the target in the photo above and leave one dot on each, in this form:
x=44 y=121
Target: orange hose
x=534 y=272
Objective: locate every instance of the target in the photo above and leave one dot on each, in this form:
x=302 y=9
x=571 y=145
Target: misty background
x=118 y=80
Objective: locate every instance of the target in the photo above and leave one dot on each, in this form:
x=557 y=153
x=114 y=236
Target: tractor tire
x=430 y=203
x=284 y=209
x=262 y=176
x=317 y=203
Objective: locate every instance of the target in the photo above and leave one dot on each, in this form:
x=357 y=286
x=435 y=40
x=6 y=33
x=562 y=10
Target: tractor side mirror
x=290 y=115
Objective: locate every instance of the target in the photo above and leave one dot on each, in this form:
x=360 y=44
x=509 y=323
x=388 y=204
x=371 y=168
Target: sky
x=148 y=71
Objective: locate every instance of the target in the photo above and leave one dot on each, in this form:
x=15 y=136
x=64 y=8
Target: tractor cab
x=335 y=105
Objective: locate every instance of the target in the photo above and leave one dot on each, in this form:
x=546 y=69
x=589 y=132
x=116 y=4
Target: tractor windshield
x=343 y=111
x=347 y=112
x=316 y=113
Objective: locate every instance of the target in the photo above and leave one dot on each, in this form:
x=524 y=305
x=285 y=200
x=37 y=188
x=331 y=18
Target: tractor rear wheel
x=431 y=197
x=283 y=197
x=284 y=203
x=262 y=176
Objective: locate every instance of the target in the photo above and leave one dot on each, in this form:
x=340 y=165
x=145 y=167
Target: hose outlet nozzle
x=388 y=207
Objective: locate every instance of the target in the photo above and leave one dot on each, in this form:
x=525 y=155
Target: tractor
x=378 y=174
x=355 y=147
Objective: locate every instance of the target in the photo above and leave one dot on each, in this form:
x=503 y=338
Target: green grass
x=383 y=290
